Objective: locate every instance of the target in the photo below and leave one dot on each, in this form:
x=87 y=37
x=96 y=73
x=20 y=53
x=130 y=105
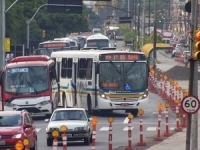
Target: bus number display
x=109 y=85
x=121 y=57
x=54 y=45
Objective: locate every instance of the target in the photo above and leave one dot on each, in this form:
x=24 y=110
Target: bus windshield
x=123 y=76
x=49 y=51
x=99 y=43
x=26 y=79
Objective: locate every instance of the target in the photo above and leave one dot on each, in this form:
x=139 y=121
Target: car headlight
x=44 y=103
x=102 y=95
x=80 y=129
x=17 y=136
x=9 y=104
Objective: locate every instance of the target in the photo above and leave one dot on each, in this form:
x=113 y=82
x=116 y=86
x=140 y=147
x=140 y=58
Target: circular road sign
x=190 y=104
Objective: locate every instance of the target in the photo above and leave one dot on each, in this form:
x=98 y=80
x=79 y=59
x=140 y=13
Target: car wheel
x=35 y=146
x=87 y=140
x=49 y=142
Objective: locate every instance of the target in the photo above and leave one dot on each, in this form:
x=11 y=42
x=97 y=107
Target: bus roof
x=98 y=36
x=34 y=60
x=55 y=41
x=87 y=53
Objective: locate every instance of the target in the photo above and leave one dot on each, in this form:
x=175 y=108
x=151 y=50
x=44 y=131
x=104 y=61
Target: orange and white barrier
x=167 y=133
x=178 y=127
x=158 y=137
x=110 y=120
x=141 y=143
x=94 y=128
x=130 y=117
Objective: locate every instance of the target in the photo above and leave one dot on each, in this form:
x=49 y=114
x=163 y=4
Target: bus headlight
x=102 y=95
x=146 y=93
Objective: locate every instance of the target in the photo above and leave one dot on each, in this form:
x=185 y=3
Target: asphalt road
x=120 y=133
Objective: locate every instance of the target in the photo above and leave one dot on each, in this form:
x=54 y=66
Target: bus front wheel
x=89 y=104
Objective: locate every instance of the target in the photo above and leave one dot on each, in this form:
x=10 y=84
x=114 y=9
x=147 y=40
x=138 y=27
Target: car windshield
x=27 y=79
x=10 y=120
x=69 y=115
x=98 y=43
x=123 y=76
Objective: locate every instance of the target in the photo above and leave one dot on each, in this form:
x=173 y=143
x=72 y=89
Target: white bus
x=102 y=81
x=98 y=40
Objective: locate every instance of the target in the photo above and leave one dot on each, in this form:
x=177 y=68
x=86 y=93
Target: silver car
x=75 y=119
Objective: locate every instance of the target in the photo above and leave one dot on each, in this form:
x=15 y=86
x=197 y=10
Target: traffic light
x=96 y=7
x=43 y=33
x=196 y=50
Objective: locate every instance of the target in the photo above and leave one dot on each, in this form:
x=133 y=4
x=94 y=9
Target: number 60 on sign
x=190 y=104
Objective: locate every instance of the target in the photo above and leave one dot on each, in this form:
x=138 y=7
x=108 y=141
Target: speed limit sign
x=190 y=104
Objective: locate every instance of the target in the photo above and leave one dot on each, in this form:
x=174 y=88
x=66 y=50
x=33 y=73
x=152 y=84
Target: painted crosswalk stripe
x=151 y=129
x=38 y=129
x=104 y=129
x=126 y=120
x=126 y=128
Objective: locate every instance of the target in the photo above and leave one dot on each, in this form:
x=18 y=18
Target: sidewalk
x=178 y=140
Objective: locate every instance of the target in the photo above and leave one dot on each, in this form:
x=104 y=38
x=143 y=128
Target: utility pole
x=155 y=33
x=143 y=22
x=2 y=34
x=149 y=18
x=128 y=8
x=192 y=123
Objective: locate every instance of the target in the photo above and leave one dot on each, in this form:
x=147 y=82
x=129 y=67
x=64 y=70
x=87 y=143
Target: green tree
x=55 y=24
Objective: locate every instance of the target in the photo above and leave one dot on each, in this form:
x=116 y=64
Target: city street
x=120 y=126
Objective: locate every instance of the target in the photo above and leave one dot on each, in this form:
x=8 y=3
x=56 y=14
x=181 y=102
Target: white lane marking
x=151 y=128
x=172 y=128
x=126 y=120
x=38 y=129
x=126 y=128
x=104 y=129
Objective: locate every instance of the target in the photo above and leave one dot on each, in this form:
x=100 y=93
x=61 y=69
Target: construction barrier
x=170 y=91
x=141 y=143
x=158 y=137
x=167 y=133
x=55 y=135
x=94 y=128
x=110 y=121
x=63 y=130
x=19 y=146
x=130 y=117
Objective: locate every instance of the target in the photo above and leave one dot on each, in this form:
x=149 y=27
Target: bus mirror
x=1 y=77
x=53 y=74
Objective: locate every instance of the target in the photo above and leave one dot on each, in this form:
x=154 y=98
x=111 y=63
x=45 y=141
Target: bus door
x=95 y=74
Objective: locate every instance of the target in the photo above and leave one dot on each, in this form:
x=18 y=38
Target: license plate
x=2 y=142
x=69 y=135
x=124 y=104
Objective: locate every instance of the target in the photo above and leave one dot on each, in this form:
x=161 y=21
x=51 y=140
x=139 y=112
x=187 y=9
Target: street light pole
x=2 y=34
x=28 y=22
x=155 y=33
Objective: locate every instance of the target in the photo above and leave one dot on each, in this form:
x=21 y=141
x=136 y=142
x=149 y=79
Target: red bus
x=27 y=83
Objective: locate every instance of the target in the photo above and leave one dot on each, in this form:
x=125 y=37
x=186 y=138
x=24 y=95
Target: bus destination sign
x=121 y=57
x=54 y=45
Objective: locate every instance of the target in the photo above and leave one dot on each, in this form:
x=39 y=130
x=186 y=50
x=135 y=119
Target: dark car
x=16 y=126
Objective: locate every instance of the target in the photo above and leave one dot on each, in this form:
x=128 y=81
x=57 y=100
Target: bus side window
x=1 y=77
x=89 y=69
x=66 y=70
x=82 y=68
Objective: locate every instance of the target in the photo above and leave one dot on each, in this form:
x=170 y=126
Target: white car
x=75 y=119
